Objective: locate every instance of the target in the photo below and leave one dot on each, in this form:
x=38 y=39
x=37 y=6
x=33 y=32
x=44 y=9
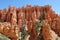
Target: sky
x=20 y=3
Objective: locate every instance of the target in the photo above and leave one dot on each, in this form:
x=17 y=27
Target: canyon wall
x=28 y=15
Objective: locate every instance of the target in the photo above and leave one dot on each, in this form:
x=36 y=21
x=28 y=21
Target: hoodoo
x=30 y=23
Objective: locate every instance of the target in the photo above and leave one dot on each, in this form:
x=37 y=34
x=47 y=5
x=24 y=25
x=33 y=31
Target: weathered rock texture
x=28 y=15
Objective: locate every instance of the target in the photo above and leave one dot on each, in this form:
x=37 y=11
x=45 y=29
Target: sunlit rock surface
x=13 y=19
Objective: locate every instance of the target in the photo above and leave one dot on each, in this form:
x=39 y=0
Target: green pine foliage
x=39 y=26
x=23 y=34
x=39 y=29
x=42 y=17
x=3 y=37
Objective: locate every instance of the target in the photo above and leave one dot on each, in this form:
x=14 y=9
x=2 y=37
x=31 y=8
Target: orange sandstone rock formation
x=28 y=15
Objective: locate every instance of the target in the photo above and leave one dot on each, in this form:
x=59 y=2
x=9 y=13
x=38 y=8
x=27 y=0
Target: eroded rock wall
x=28 y=15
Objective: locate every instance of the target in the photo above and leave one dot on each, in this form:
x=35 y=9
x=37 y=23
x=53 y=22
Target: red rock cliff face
x=28 y=15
